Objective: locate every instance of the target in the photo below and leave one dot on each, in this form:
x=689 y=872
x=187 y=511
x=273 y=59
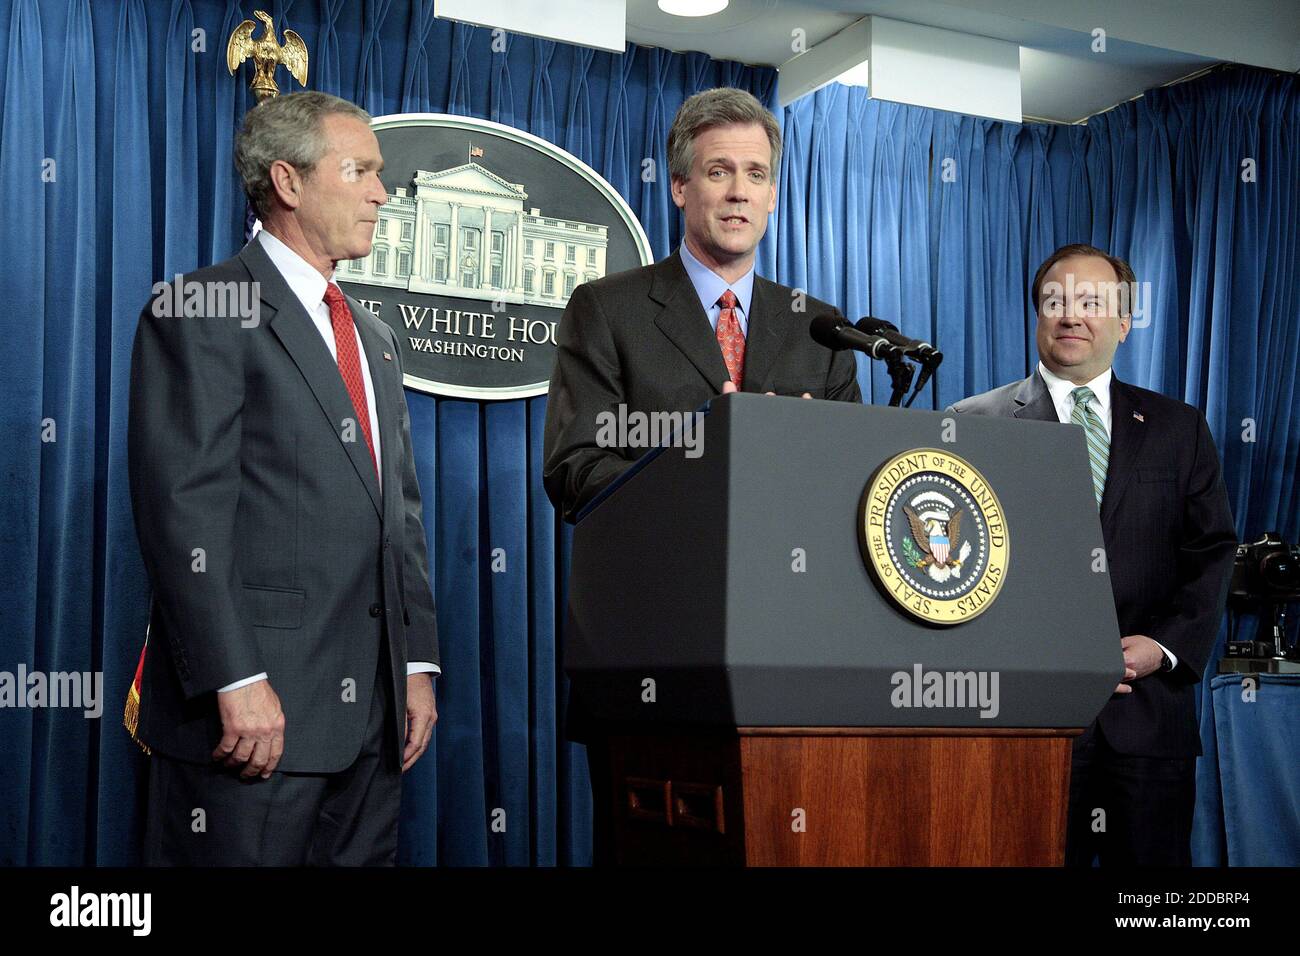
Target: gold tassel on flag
x=131 y=715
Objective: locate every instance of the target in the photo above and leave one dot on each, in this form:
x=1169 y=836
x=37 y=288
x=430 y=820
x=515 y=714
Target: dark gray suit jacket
x=237 y=446
x=641 y=339
x=1170 y=543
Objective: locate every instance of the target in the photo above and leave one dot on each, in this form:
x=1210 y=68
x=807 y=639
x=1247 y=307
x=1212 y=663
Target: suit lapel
x=1034 y=401
x=684 y=322
x=1127 y=433
x=769 y=324
x=296 y=332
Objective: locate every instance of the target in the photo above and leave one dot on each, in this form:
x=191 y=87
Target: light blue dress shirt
x=709 y=286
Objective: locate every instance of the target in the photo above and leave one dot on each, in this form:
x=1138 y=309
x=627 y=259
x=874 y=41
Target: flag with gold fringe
x=131 y=716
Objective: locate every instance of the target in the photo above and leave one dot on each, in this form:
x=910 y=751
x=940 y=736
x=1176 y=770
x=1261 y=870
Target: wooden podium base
x=829 y=796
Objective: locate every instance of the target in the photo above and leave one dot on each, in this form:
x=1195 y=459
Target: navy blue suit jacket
x=1170 y=543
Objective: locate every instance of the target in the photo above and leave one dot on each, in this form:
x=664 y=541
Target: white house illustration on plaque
x=465 y=232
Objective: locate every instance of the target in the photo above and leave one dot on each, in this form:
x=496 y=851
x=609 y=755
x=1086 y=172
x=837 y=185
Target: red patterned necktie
x=345 y=344
x=730 y=339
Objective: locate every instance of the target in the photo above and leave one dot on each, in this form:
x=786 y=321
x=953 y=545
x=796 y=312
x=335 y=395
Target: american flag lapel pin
x=1137 y=415
x=387 y=357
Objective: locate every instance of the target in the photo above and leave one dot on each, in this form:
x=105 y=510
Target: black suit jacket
x=1170 y=543
x=308 y=571
x=641 y=339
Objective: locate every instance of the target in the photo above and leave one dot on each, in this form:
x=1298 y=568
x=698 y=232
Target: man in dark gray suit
x=287 y=679
x=1170 y=543
x=670 y=336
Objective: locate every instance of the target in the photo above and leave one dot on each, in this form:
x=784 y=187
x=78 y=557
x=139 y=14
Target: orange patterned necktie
x=730 y=339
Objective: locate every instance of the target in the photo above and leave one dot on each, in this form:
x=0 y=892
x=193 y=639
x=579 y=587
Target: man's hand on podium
x=729 y=387
x=1123 y=687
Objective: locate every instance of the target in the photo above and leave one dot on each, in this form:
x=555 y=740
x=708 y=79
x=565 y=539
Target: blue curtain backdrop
x=115 y=141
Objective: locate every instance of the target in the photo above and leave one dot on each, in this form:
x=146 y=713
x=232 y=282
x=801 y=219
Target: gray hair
x=722 y=106
x=288 y=128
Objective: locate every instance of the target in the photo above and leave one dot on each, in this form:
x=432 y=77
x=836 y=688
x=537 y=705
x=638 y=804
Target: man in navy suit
x=287 y=680
x=1170 y=543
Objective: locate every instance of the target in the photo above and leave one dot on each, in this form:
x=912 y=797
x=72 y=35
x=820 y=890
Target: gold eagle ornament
x=266 y=55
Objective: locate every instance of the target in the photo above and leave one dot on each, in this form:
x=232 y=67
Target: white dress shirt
x=1060 y=390
x=306 y=282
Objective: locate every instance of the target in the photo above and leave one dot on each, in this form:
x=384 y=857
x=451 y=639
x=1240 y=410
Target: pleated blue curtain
x=852 y=221
x=25 y=144
x=69 y=549
x=541 y=104
x=415 y=72
x=132 y=105
x=616 y=154
x=790 y=224
x=176 y=201
x=825 y=182
x=325 y=51
x=653 y=196
x=897 y=225
x=977 y=243
x=501 y=93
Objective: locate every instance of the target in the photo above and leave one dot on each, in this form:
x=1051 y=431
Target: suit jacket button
x=376 y=610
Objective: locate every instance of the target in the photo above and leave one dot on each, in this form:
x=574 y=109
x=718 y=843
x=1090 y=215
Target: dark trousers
x=1146 y=806
x=602 y=801
x=291 y=819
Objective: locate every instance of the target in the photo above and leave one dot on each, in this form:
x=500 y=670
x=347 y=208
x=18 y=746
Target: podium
x=762 y=688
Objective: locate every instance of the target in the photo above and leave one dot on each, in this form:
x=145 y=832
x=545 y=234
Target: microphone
x=921 y=351
x=926 y=354
x=834 y=332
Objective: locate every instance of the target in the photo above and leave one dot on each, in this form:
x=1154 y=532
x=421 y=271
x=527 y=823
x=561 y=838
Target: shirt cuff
x=1173 y=658
x=422 y=667
x=242 y=683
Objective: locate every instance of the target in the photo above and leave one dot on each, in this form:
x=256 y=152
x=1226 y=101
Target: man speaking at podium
x=286 y=680
x=670 y=336
x=1170 y=543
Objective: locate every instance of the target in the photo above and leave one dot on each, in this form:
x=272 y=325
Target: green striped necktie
x=1098 y=441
